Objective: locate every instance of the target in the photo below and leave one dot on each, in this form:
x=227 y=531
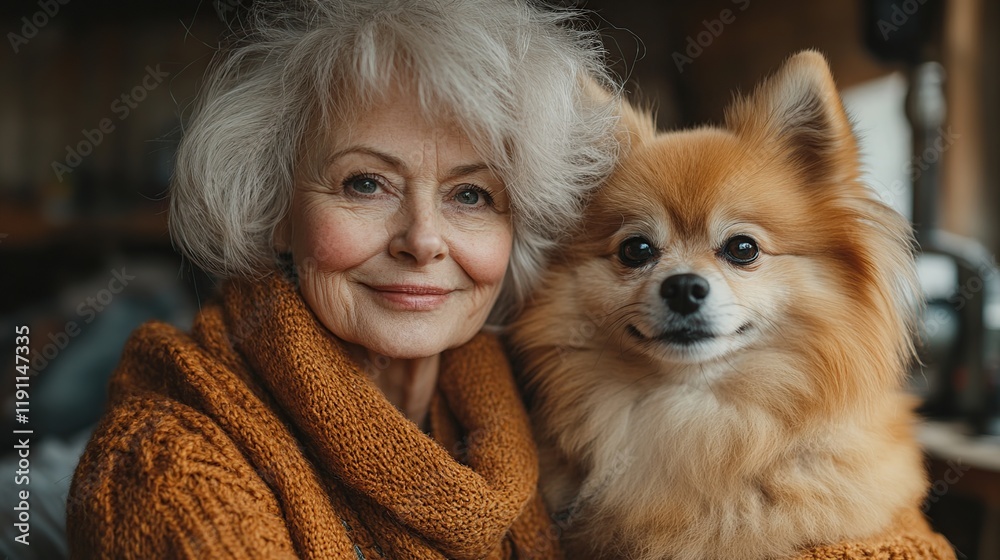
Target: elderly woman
x=372 y=180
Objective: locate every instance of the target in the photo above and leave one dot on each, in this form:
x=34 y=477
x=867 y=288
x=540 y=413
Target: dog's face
x=710 y=245
x=700 y=238
x=692 y=256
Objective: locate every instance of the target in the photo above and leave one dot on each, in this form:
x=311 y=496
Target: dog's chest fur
x=680 y=472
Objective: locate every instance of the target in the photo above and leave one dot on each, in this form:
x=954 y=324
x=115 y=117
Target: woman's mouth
x=411 y=297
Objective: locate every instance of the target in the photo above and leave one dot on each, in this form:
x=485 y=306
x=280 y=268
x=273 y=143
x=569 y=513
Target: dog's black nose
x=684 y=292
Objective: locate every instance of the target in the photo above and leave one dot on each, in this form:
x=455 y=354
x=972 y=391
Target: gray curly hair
x=516 y=76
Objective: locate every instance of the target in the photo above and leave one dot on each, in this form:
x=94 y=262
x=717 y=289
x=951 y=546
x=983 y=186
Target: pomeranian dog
x=714 y=362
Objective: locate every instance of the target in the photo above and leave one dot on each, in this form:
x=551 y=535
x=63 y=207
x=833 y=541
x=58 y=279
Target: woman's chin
x=411 y=340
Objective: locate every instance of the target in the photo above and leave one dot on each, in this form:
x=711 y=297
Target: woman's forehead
x=398 y=119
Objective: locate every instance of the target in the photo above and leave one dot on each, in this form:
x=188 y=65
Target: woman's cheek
x=485 y=255
x=338 y=241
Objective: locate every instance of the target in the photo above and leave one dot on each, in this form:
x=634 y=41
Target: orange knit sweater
x=256 y=437
x=909 y=538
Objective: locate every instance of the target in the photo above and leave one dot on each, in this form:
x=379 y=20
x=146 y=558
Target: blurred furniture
x=964 y=471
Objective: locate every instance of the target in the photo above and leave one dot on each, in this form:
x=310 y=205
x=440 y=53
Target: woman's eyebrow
x=468 y=169
x=398 y=164
x=389 y=159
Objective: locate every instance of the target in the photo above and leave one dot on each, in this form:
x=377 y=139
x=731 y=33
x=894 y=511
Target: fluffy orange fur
x=781 y=423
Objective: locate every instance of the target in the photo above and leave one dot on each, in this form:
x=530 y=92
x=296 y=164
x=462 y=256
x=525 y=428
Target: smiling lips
x=412 y=297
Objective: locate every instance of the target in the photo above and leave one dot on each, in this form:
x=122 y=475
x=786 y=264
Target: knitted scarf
x=258 y=437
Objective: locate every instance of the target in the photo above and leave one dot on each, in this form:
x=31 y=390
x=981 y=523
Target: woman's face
x=402 y=242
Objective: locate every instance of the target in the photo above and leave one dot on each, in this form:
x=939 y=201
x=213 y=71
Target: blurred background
x=93 y=97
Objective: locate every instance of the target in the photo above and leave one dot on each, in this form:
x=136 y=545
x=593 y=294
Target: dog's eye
x=741 y=249
x=636 y=251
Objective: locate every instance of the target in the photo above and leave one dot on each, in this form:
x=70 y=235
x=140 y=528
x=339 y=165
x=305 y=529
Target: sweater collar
x=360 y=438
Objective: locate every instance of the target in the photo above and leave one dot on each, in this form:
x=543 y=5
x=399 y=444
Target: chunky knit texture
x=909 y=538
x=257 y=437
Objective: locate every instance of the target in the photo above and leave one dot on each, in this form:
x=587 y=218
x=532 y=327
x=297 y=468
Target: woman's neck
x=407 y=383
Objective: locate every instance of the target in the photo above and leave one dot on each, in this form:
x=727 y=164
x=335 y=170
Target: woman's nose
x=419 y=237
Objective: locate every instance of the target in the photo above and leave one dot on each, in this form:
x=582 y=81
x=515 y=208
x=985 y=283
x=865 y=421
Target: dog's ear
x=800 y=109
x=635 y=125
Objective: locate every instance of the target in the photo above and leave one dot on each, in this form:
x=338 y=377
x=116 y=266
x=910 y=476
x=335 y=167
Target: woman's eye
x=740 y=249
x=636 y=251
x=472 y=197
x=362 y=184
